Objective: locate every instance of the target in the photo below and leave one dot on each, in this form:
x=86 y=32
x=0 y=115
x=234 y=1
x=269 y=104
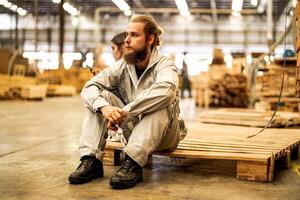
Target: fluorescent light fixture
x=237 y=5
x=254 y=2
x=56 y=1
x=185 y=13
x=121 y=4
x=75 y=21
x=70 y=9
x=14 y=7
x=7 y=4
x=182 y=7
x=2 y=2
x=127 y=12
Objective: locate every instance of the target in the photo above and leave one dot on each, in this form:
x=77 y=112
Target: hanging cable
x=282 y=82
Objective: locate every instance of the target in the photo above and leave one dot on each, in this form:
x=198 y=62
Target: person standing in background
x=186 y=84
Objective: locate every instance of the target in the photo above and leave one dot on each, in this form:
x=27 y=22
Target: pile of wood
x=247 y=117
x=16 y=87
x=268 y=82
x=229 y=91
x=75 y=77
x=60 y=90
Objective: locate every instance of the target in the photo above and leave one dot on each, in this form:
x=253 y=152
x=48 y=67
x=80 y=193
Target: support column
x=36 y=31
x=270 y=24
x=16 y=32
x=61 y=34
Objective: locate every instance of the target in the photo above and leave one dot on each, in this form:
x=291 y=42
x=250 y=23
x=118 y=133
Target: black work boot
x=89 y=168
x=128 y=175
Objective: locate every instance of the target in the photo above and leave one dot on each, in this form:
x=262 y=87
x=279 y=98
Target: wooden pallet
x=255 y=157
x=60 y=90
x=34 y=92
x=248 y=117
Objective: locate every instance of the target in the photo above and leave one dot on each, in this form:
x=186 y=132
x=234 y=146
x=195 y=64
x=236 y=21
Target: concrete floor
x=38 y=150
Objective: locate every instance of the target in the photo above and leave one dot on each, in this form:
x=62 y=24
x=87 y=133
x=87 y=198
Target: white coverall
x=151 y=101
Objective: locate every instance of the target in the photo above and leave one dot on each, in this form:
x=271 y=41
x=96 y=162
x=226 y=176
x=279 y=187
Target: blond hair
x=150 y=27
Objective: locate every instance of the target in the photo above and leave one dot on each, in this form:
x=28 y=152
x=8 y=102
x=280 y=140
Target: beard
x=135 y=56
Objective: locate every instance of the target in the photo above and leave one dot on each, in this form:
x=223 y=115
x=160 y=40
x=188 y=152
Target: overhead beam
x=175 y=10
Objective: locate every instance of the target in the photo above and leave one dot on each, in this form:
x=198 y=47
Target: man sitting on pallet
x=138 y=94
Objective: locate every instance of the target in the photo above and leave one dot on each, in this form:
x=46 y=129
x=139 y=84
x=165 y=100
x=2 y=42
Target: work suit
x=151 y=102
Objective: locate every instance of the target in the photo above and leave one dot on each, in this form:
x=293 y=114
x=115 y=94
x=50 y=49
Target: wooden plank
x=271 y=169
x=252 y=170
x=216 y=155
x=225 y=149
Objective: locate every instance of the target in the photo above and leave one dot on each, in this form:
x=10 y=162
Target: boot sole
x=81 y=180
x=124 y=185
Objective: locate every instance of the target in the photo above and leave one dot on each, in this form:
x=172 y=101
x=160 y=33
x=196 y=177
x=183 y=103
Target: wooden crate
x=255 y=157
x=34 y=92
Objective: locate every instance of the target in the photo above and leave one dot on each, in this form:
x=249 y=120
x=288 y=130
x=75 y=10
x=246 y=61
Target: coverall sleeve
x=105 y=80
x=158 y=96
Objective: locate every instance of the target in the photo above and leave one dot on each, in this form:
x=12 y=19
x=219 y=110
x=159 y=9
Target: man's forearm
x=157 y=97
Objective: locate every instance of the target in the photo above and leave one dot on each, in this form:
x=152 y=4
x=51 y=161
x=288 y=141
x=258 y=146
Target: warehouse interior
x=240 y=104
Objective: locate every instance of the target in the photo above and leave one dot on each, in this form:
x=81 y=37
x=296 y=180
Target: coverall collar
x=154 y=58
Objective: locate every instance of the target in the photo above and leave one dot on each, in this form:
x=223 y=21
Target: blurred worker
x=117 y=47
x=138 y=95
x=186 y=84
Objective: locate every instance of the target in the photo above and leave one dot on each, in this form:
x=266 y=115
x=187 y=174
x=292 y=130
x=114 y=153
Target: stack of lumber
x=247 y=117
x=75 y=76
x=35 y=92
x=268 y=83
x=60 y=90
x=297 y=17
x=15 y=87
x=220 y=88
x=229 y=91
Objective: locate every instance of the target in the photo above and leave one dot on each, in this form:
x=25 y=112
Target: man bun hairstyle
x=150 y=27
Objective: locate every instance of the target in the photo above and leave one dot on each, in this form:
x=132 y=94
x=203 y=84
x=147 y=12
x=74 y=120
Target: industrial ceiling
x=87 y=7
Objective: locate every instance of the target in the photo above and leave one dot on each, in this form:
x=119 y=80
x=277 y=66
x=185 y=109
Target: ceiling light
x=121 y=4
x=127 y=12
x=182 y=7
x=56 y=1
x=237 y=5
x=70 y=9
x=14 y=7
x=7 y=4
x=254 y=2
x=185 y=13
x=75 y=21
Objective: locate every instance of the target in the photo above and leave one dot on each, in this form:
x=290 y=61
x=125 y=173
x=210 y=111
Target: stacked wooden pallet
x=33 y=92
x=74 y=76
x=255 y=157
x=60 y=90
x=247 y=117
x=15 y=87
x=268 y=83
